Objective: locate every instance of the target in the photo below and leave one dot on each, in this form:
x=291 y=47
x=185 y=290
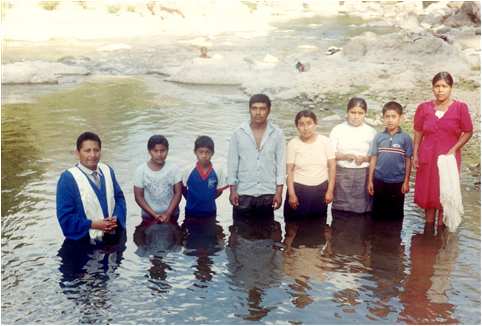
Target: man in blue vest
x=90 y=202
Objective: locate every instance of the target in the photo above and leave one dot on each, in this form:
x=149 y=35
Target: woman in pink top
x=441 y=126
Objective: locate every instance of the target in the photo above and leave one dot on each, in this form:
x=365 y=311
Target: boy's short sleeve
x=176 y=175
x=408 y=146
x=374 y=146
x=139 y=177
x=222 y=180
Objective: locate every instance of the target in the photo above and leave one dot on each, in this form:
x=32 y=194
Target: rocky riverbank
x=423 y=38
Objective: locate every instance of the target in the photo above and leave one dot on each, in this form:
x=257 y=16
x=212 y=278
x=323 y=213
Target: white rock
x=333 y=117
x=114 y=47
x=38 y=72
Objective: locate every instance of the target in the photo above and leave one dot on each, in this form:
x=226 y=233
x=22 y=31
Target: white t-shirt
x=348 y=139
x=310 y=160
x=157 y=185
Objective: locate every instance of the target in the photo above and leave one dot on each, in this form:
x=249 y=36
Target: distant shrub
x=131 y=8
x=49 y=5
x=83 y=4
x=113 y=9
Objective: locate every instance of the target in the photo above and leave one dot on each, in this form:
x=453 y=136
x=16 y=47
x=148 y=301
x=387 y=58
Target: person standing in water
x=256 y=169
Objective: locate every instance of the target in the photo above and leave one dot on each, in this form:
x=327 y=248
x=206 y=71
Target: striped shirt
x=391 y=151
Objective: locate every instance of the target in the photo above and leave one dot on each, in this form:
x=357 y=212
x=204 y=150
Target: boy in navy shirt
x=202 y=184
x=390 y=165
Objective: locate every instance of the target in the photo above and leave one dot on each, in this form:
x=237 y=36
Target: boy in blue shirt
x=390 y=165
x=202 y=184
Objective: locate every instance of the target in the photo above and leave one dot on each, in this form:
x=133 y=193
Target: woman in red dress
x=441 y=126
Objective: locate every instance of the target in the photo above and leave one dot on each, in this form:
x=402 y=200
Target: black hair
x=260 y=98
x=357 y=101
x=204 y=141
x=392 y=105
x=157 y=140
x=88 y=135
x=306 y=114
x=443 y=75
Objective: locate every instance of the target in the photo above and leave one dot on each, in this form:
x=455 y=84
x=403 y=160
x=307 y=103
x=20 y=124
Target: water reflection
x=155 y=240
x=387 y=256
x=304 y=243
x=432 y=256
x=348 y=249
x=202 y=238
x=254 y=262
x=86 y=270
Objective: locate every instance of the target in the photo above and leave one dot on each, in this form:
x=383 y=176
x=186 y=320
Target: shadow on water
x=155 y=241
x=86 y=270
x=424 y=298
x=254 y=262
x=202 y=238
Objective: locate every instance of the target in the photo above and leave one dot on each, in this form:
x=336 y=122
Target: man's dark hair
x=157 y=140
x=204 y=141
x=392 y=105
x=260 y=98
x=88 y=135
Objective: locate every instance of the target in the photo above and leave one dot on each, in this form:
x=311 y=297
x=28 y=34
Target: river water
x=222 y=273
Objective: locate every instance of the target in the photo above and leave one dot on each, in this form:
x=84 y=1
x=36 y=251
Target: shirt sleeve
x=176 y=175
x=233 y=160
x=120 y=208
x=222 y=182
x=374 y=147
x=373 y=135
x=334 y=138
x=280 y=159
x=418 y=119
x=329 y=149
x=408 y=146
x=70 y=213
x=465 y=120
x=139 y=177
x=290 y=152
x=185 y=175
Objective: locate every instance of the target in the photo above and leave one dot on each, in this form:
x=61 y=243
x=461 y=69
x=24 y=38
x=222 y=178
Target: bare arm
x=140 y=200
x=176 y=199
x=463 y=139
x=292 y=198
x=371 y=173
x=417 y=138
x=408 y=170
x=331 y=180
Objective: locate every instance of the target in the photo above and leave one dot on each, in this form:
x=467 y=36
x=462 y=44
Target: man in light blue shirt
x=256 y=166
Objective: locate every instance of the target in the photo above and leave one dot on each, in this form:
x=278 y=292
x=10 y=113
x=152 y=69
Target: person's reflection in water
x=348 y=249
x=86 y=268
x=254 y=259
x=202 y=238
x=155 y=240
x=387 y=263
x=304 y=241
x=432 y=257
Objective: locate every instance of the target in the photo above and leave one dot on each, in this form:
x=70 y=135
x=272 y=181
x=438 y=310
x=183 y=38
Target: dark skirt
x=351 y=193
x=311 y=203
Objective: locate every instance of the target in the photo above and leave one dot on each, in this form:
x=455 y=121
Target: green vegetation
x=113 y=9
x=49 y=5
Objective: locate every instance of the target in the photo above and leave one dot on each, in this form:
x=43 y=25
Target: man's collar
x=86 y=169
